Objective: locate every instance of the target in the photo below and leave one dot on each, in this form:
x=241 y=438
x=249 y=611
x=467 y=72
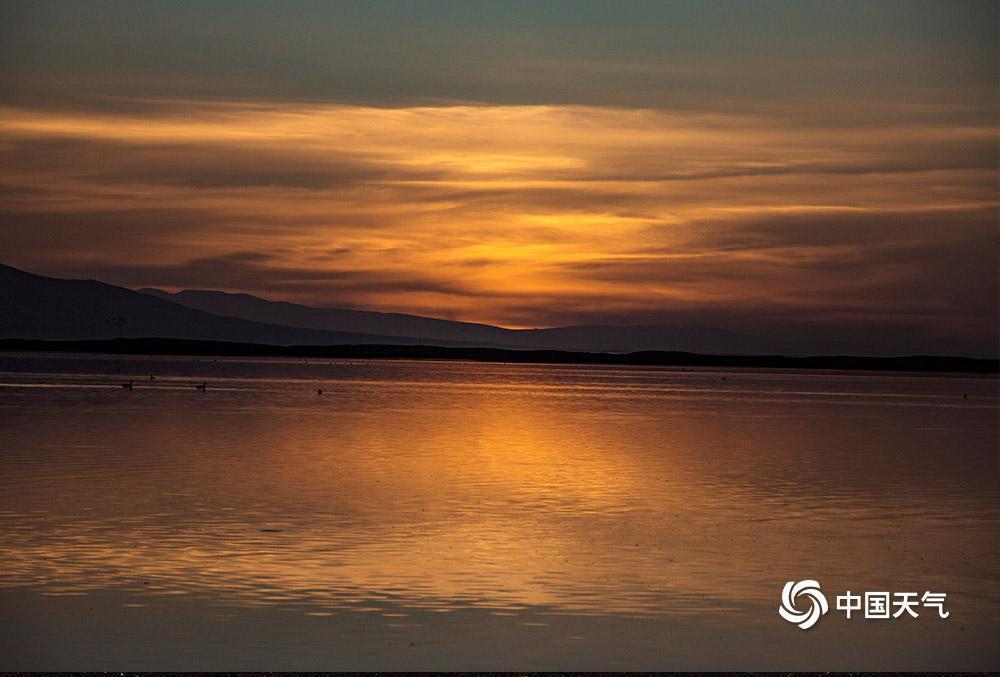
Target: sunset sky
x=810 y=168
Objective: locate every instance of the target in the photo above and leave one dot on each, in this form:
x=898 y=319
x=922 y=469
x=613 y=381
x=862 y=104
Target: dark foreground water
x=488 y=516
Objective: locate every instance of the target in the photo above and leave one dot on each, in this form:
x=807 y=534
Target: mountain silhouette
x=37 y=307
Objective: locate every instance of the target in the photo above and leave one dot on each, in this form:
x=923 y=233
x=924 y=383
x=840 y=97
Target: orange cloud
x=517 y=215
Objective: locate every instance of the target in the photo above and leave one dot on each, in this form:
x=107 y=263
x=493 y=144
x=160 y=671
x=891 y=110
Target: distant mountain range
x=591 y=338
x=37 y=307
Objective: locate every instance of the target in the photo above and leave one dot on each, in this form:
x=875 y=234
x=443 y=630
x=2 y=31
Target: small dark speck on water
x=271 y=531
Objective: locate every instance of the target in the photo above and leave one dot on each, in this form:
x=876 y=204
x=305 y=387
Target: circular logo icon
x=806 y=589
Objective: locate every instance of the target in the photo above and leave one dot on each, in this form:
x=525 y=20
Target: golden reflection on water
x=443 y=486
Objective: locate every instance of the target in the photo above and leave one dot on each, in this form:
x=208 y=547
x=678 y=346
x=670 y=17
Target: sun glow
x=502 y=214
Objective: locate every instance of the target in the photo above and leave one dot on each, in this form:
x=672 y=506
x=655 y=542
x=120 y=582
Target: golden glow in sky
x=775 y=167
x=500 y=214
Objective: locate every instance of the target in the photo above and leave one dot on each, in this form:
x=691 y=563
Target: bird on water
x=200 y=386
x=127 y=386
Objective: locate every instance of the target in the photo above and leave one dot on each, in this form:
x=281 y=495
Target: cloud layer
x=519 y=215
x=792 y=168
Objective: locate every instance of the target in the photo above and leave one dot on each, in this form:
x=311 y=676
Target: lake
x=484 y=516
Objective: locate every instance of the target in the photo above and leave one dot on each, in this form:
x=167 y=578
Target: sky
x=794 y=168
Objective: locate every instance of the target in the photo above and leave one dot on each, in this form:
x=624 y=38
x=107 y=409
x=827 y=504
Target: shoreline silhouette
x=187 y=347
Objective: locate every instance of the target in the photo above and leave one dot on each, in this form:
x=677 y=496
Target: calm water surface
x=487 y=516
